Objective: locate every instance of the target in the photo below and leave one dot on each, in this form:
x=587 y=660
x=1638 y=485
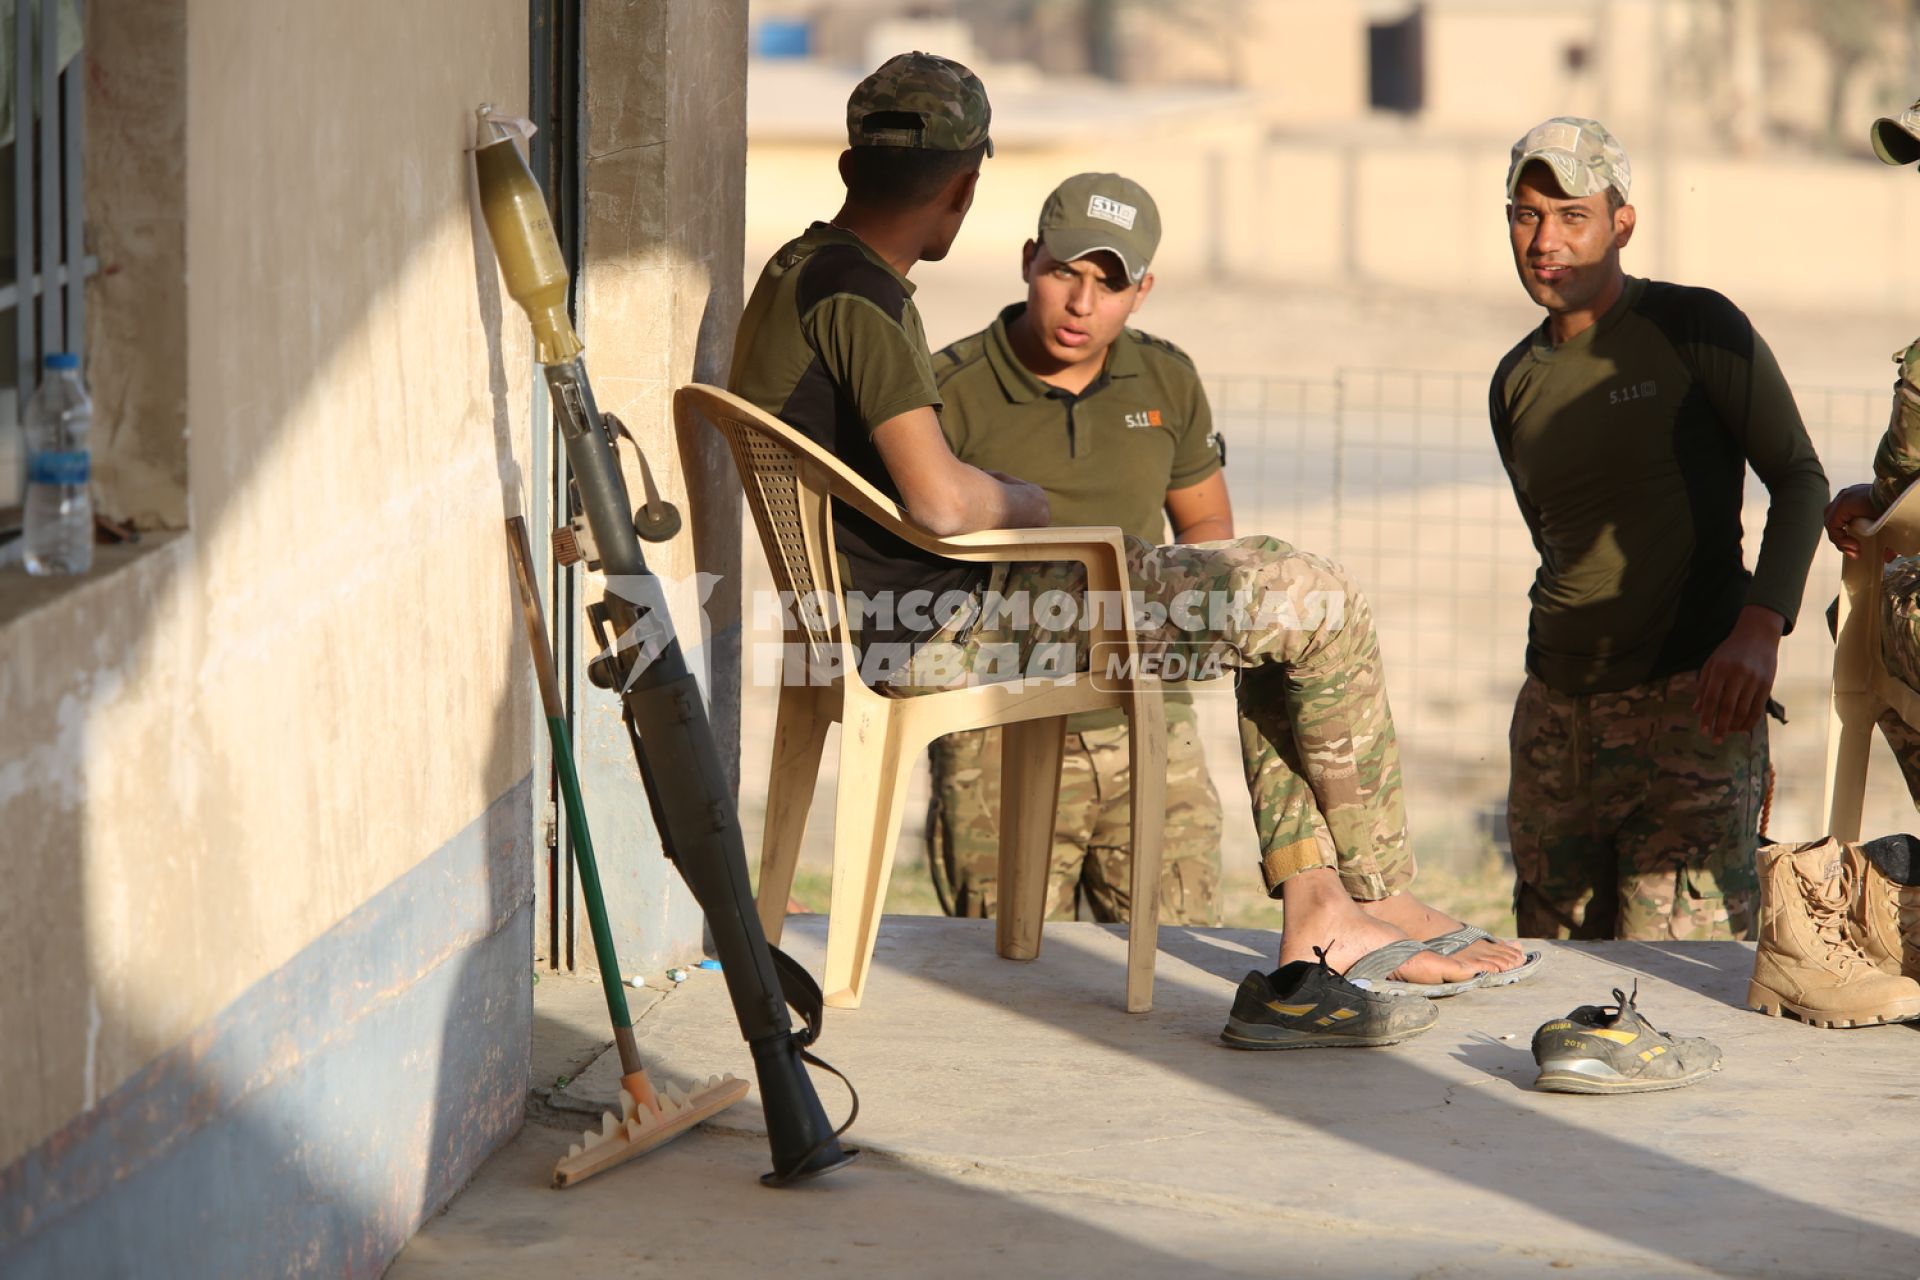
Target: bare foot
x=1320 y=914
x=1418 y=920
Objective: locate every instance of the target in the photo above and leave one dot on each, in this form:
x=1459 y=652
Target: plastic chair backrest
x=789 y=480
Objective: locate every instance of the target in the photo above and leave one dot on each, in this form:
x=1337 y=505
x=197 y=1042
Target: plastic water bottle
x=59 y=511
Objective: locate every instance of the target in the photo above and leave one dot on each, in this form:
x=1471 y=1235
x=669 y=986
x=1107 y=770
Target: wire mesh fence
x=1394 y=474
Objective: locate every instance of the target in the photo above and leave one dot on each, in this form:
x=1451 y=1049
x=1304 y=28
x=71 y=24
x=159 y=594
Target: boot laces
x=1827 y=900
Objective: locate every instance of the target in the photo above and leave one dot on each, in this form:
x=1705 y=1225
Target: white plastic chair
x=1863 y=687
x=790 y=482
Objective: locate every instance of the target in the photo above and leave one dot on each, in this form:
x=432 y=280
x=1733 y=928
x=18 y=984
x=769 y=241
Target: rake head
x=639 y=1128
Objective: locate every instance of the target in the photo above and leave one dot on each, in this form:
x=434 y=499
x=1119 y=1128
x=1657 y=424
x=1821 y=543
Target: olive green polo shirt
x=1627 y=446
x=831 y=344
x=1106 y=456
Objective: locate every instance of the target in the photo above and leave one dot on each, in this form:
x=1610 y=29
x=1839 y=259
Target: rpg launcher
x=665 y=716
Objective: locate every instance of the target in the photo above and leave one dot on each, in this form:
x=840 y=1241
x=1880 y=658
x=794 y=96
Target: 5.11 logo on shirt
x=1145 y=418
x=1637 y=391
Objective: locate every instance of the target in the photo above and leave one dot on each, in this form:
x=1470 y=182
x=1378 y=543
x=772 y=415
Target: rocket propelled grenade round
x=523 y=240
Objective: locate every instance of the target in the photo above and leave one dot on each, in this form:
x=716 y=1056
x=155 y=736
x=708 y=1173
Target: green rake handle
x=521 y=552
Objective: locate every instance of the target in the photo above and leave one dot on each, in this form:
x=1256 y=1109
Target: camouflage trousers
x=1092 y=856
x=1905 y=741
x=1900 y=649
x=1316 y=735
x=1627 y=821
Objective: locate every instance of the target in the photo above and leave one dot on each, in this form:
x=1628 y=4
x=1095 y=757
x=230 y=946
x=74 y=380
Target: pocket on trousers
x=1721 y=877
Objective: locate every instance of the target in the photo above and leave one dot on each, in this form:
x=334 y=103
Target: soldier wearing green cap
x=1626 y=422
x=1114 y=425
x=830 y=342
x=1896 y=140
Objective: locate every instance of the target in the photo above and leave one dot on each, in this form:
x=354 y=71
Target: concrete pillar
x=136 y=156
x=664 y=184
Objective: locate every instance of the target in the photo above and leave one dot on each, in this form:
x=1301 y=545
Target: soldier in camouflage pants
x=1605 y=846
x=1317 y=737
x=1091 y=845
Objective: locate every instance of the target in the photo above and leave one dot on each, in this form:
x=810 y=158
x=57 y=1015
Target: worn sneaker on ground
x=1306 y=1005
x=1612 y=1049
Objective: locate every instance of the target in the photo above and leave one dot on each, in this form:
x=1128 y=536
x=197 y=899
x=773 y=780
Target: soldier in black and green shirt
x=1626 y=423
x=1114 y=425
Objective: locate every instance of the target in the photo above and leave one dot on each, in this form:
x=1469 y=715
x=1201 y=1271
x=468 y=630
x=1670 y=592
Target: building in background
x=1289 y=132
x=1764 y=71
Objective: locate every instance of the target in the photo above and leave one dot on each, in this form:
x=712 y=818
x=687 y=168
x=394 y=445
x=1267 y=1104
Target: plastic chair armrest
x=1101 y=548
x=1902 y=518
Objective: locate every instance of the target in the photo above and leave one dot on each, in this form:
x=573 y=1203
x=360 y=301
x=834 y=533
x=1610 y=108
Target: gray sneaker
x=1612 y=1049
x=1306 y=1005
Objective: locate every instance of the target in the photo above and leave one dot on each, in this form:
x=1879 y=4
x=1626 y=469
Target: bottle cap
x=62 y=360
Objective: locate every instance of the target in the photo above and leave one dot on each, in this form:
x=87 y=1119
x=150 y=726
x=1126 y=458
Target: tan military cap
x=1584 y=157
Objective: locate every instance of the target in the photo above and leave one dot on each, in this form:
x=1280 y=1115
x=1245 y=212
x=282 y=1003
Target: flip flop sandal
x=1374 y=967
x=1460 y=939
x=1371 y=971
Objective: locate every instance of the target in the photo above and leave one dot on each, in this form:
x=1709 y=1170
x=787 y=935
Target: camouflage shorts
x=1628 y=822
x=1316 y=735
x=1091 y=851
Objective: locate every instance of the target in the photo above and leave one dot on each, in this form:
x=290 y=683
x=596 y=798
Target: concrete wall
x=1308 y=58
x=660 y=296
x=265 y=785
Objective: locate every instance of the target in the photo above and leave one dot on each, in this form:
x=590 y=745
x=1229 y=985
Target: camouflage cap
x=948 y=100
x=1090 y=212
x=1896 y=139
x=1584 y=157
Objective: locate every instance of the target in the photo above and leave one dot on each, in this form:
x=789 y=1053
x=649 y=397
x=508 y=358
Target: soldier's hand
x=1736 y=680
x=1850 y=504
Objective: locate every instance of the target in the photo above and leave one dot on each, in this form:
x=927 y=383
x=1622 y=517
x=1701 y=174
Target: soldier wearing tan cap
x=1626 y=422
x=1114 y=425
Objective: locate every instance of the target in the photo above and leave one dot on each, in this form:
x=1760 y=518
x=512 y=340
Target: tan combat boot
x=1808 y=963
x=1879 y=875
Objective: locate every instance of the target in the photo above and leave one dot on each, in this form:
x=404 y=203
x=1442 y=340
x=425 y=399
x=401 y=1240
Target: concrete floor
x=1016 y=1120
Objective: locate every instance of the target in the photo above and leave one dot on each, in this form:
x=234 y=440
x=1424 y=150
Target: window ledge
x=22 y=594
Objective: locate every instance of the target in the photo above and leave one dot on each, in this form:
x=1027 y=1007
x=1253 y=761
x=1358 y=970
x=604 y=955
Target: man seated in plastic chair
x=832 y=344
x=1114 y=424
